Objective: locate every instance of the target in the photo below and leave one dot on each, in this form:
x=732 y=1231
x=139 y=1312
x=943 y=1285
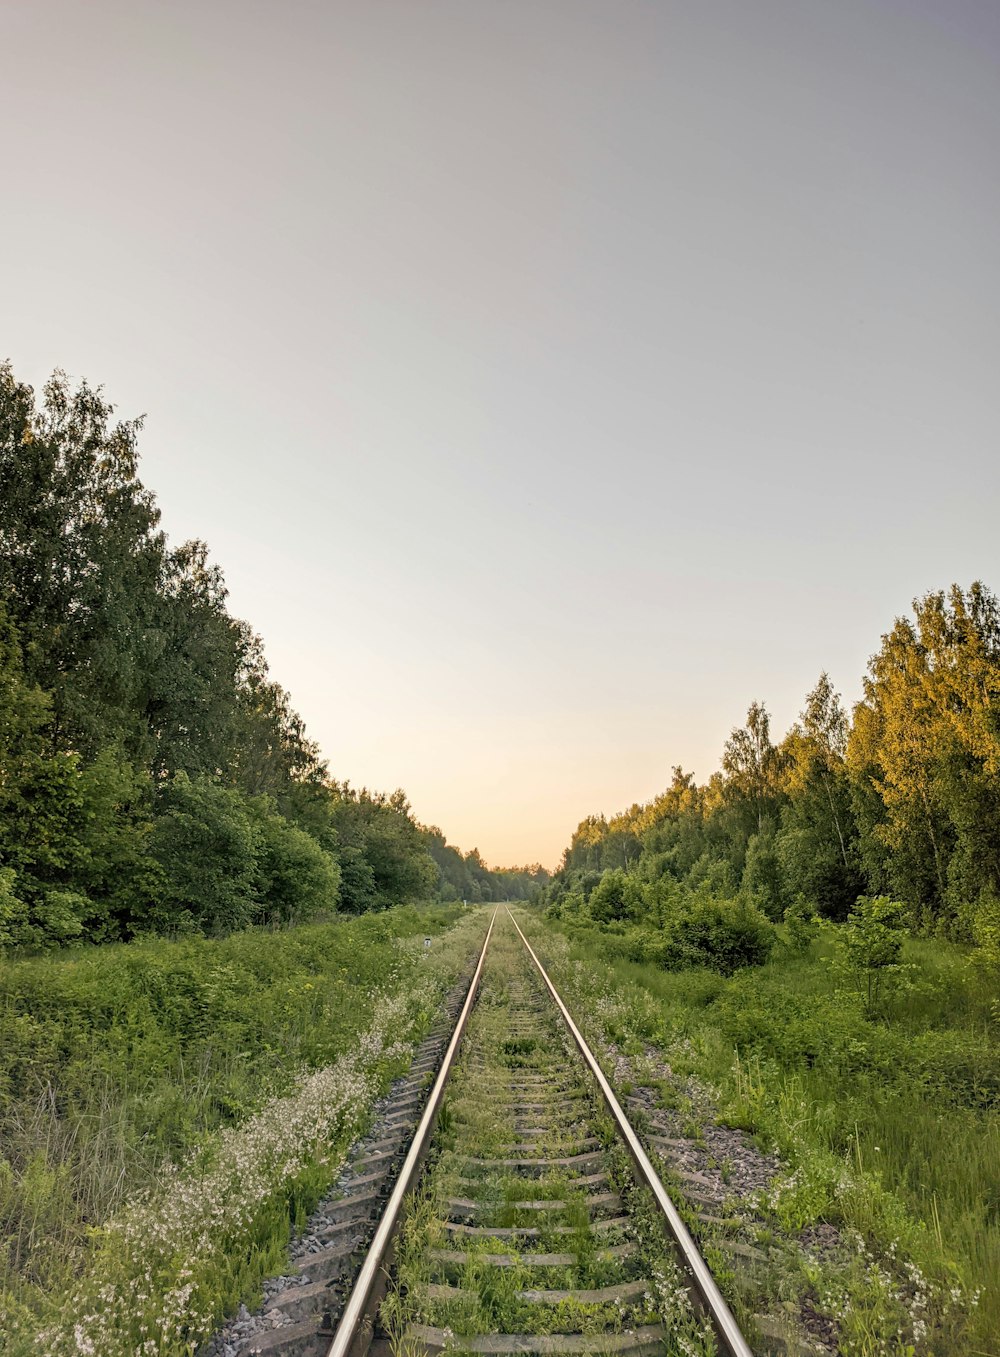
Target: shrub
x=723 y=934
x=713 y=874
x=983 y=923
x=762 y=875
x=873 y=944
x=206 y=845
x=569 y=906
x=12 y=910
x=616 y=896
x=800 y=920
x=962 y=1066
x=295 y=878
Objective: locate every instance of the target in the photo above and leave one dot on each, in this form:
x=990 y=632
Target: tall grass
x=115 y=1061
x=908 y=1102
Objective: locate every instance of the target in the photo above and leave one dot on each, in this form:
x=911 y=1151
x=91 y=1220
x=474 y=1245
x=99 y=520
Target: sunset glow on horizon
x=549 y=381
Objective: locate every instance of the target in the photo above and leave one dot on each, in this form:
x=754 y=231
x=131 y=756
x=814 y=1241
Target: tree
x=584 y=851
x=24 y=707
x=873 y=945
x=206 y=843
x=80 y=558
x=116 y=870
x=152 y=773
x=924 y=754
x=617 y=896
x=383 y=856
x=763 y=877
x=817 y=845
x=752 y=766
x=44 y=822
x=192 y=703
x=295 y=879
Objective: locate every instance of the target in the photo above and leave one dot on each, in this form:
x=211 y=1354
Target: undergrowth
x=888 y=1125
x=157 y=1095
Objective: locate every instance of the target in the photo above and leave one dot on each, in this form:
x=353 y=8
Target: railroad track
x=516 y=1209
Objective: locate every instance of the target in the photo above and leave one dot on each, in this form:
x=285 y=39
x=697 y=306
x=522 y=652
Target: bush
x=982 y=922
x=713 y=874
x=206 y=845
x=722 y=934
x=962 y=1066
x=295 y=878
x=12 y=910
x=616 y=896
x=762 y=875
x=800 y=920
x=873 y=944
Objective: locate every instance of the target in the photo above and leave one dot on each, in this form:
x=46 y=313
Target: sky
x=550 y=378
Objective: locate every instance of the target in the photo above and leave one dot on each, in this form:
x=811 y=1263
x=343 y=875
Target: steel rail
x=350 y=1337
x=727 y=1330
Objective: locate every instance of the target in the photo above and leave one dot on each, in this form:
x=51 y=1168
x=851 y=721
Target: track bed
x=528 y=1229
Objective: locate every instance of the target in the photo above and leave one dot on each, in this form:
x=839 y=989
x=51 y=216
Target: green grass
x=890 y=1124
x=119 y=1059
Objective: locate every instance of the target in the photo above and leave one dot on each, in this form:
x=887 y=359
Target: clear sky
x=550 y=377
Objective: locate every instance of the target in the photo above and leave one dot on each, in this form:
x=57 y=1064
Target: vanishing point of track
x=524 y=1236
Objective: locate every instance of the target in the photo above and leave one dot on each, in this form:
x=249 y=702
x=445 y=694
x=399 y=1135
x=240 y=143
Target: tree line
x=153 y=775
x=900 y=800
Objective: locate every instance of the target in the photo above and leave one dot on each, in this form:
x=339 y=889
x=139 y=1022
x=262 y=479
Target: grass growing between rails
x=169 y=1110
x=510 y=1233
x=888 y=1125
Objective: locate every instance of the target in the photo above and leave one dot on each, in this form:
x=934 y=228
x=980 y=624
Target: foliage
x=124 y=1060
x=672 y=929
x=904 y=800
x=295 y=878
x=152 y=773
x=858 y=1110
x=206 y=846
x=725 y=935
x=763 y=877
x=616 y=896
x=466 y=877
x=984 y=926
x=872 y=947
x=753 y=766
x=800 y=921
x=924 y=753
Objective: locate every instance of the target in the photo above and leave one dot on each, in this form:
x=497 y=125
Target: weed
x=889 y=1128
x=171 y=1110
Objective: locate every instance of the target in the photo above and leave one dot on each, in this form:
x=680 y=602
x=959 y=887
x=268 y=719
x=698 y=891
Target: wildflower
x=204 y=1211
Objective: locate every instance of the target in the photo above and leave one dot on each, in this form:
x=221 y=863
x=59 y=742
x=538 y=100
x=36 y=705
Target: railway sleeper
x=526 y=1149
x=352 y=1208
x=388 y=1157
x=650 y=1338
x=462 y=1208
x=517 y=1106
x=452 y=1259
x=668 y=1143
x=302 y=1339
x=530 y=1231
x=621 y=1293
x=579 y=1132
x=386 y=1144
x=329 y=1264
x=537 y=1165
x=588 y=1181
